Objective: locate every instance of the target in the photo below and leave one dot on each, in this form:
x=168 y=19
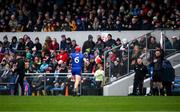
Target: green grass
x=87 y=104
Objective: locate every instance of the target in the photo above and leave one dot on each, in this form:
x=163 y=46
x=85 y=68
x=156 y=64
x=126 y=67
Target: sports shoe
x=78 y=94
x=74 y=93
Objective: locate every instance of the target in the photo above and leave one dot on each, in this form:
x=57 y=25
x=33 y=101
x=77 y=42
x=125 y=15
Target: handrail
x=62 y=74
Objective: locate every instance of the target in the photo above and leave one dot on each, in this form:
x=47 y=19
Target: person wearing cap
x=89 y=44
x=77 y=65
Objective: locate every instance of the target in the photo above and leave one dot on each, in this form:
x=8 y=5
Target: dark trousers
x=20 y=81
x=99 y=88
x=167 y=85
x=138 y=84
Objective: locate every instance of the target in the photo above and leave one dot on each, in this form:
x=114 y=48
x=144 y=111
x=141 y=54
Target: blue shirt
x=77 y=59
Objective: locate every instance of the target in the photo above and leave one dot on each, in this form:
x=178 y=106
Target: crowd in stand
x=83 y=15
x=53 y=56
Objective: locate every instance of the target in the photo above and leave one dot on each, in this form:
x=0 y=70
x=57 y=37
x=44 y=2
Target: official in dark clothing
x=140 y=74
x=20 y=70
x=168 y=76
x=157 y=72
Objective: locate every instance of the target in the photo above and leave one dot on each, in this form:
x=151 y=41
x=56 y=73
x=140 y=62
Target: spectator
x=29 y=26
x=135 y=55
x=43 y=66
x=73 y=25
x=88 y=16
x=3 y=65
x=2 y=50
x=13 y=23
x=110 y=41
x=29 y=42
x=116 y=68
x=35 y=53
x=47 y=44
x=135 y=24
x=28 y=54
x=90 y=65
x=73 y=43
x=118 y=42
x=48 y=27
x=6 y=43
x=68 y=45
x=134 y=43
x=63 y=42
x=36 y=64
x=146 y=25
x=37 y=44
x=145 y=56
x=89 y=44
x=152 y=43
x=96 y=23
x=168 y=44
x=142 y=42
x=14 y=43
x=54 y=45
x=21 y=44
x=176 y=43
x=62 y=57
x=100 y=45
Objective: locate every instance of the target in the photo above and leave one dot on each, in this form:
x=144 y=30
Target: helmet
x=78 y=48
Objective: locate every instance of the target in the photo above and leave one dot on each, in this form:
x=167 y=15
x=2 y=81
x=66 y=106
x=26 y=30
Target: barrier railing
x=53 y=84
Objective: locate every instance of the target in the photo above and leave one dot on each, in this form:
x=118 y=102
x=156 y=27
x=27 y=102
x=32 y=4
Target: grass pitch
x=88 y=104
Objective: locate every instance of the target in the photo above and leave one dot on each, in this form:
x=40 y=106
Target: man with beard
x=157 y=73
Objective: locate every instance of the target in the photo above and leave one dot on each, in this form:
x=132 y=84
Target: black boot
x=162 y=92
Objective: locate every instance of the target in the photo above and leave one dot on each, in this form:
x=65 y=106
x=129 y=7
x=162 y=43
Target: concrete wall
x=82 y=36
x=120 y=87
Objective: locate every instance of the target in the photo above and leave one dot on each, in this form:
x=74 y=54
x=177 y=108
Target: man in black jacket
x=89 y=44
x=20 y=70
x=140 y=74
x=110 y=42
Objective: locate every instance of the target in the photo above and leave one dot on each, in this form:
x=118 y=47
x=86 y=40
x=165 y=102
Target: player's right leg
x=77 y=82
